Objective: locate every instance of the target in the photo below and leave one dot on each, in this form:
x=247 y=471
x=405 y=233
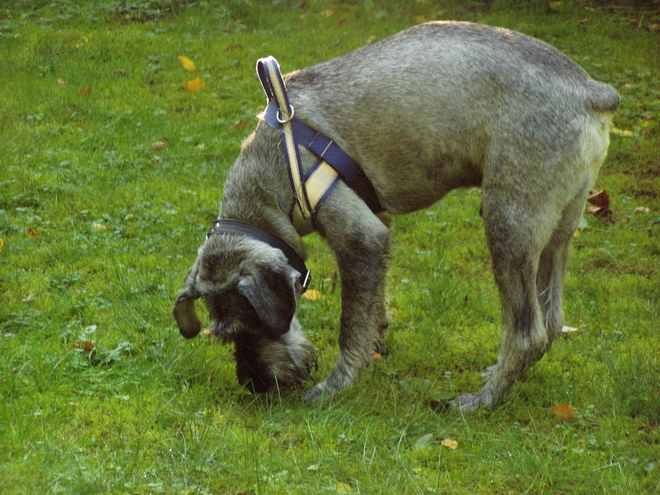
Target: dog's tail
x=602 y=97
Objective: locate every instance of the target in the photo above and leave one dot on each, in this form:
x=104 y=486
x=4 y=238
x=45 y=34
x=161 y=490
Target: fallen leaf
x=122 y=72
x=195 y=85
x=82 y=345
x=86 y=91
x=566 y=329
x=601 y=202
x=601 y=213
x=599 y=198
x=642 y=209
x=312 y=295
x=343 y=487
x=160 y=144
x=423 y=442
x=61 y=82
x=328 y=12
x=622 y=132
x=187 y=63
x=585 y=20
x=564 y=411
x=206 y=331
x=231 y=48
x=371 y=39
x=377 y=356
x=32 y=233
x=238 y=123
x=73 y=404
x=2 y=243
x=450 y=443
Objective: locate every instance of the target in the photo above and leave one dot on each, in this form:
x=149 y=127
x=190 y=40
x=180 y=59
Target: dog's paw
x=315 y=393
x=470 y=402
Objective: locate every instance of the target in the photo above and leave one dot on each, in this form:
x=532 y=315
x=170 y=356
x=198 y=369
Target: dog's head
x=251 y=293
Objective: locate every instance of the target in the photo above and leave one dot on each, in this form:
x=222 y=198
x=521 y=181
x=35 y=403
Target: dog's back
x=431 y=104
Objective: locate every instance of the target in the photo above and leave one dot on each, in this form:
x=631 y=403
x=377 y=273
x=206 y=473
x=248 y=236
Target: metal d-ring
x=288 y=119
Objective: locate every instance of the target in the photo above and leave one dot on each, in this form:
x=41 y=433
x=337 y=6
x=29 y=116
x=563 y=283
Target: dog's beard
x=264 y=364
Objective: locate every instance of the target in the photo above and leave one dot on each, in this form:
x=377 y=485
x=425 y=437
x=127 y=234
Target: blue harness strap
x=280 y=115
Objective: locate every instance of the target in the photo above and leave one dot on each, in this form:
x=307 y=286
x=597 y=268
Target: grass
x=98 y=227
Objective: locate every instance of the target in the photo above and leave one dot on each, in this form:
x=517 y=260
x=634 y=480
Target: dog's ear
x=273 y=292
x=184 y=311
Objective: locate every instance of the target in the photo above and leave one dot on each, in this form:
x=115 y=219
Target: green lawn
x=110 y=175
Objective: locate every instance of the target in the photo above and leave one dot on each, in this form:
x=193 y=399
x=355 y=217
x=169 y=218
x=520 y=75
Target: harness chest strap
x=312 y=188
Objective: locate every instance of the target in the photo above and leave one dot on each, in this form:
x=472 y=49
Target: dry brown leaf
x=238 y=123
x=328 y=12
x=565 y=411
x=85 y=346
x=160 y=144
x=601 y=202
x=86 y=91
x=603 y=213
x=32 y=233
x=599 y=198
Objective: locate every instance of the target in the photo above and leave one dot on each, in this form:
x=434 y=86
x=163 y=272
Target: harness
x=310 y=188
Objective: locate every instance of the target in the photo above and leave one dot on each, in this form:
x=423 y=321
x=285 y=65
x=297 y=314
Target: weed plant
x=110 y=175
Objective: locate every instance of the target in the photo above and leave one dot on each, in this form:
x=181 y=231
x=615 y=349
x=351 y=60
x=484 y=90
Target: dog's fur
x=436 y=107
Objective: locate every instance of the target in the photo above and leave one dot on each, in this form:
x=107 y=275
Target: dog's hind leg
x=516 y=233
x=552 y=266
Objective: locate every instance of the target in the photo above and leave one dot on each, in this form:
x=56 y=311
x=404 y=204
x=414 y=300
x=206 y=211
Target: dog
x=439 y=106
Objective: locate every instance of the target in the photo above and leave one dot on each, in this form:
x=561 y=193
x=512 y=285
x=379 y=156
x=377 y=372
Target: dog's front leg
x=361 y=244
